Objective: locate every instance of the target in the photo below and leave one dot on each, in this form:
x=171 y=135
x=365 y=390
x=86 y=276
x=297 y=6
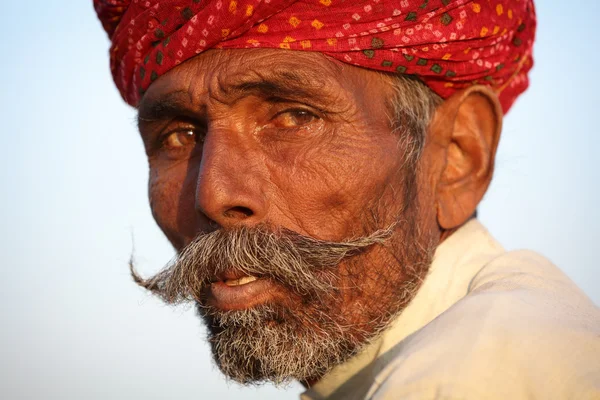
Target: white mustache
x=305 y=264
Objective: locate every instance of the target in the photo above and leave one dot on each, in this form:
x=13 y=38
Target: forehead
x=224 y=74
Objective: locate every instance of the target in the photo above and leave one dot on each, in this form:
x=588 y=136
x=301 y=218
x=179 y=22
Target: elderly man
x=317 y=164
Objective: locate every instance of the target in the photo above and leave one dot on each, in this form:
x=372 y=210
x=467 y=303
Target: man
x=318 y=165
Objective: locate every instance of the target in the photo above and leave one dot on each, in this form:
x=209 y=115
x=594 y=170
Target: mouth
x=238 y=292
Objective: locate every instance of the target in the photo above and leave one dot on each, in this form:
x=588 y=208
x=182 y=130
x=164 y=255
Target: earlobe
x=469 y=124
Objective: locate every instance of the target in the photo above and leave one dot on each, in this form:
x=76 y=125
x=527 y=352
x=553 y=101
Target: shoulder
x=524 y=330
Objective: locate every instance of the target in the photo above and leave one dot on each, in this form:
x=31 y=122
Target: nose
x=229 y=189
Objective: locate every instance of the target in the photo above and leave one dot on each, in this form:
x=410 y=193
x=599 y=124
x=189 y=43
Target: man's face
x=287 y=141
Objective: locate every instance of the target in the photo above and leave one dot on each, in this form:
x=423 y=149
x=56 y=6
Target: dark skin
x=241 y=137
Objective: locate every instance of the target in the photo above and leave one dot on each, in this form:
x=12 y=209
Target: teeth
x=242 y=281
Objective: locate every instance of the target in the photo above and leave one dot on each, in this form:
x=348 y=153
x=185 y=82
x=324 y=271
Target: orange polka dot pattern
x=447 y=44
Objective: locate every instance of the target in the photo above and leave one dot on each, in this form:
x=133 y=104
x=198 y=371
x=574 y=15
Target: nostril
x=238 y=212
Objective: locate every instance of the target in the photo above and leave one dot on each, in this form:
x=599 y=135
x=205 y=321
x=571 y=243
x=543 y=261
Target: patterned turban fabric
x=448 y=44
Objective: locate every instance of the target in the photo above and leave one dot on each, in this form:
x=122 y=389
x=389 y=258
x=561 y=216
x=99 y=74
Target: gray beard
x=269 y=343
x=331 y=315
x=275 y=343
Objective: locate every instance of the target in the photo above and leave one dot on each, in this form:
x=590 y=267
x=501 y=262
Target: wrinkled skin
x=293 y=139
x=313 y=178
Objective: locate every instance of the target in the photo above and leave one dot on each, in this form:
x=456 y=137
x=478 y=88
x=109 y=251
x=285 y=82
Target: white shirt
x=485 y=324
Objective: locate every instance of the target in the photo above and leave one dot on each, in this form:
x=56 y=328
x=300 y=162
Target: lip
x=229 y=298
x=230 y=274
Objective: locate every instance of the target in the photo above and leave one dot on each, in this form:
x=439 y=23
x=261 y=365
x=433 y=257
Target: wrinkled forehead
x=225 y=75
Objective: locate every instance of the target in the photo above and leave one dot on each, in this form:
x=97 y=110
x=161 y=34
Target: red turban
x=448 y=44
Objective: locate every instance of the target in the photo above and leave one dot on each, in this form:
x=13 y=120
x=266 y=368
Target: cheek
x=171 y=194
x=332 y=186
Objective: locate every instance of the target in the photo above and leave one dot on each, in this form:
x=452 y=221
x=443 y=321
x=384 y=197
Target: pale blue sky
x=74 y=176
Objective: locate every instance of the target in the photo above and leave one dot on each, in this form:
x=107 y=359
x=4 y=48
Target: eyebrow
x=166 y=106
x=281 y=87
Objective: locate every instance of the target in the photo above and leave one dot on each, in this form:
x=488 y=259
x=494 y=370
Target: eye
x=294 y=118
x=179 y=139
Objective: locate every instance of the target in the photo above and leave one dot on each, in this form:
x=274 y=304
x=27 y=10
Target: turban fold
x=448 y=44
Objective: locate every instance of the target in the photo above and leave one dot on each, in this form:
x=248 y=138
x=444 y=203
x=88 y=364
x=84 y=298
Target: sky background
x=74 y=201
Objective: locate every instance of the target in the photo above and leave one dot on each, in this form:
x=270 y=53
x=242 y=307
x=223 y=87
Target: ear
x=466 y=130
